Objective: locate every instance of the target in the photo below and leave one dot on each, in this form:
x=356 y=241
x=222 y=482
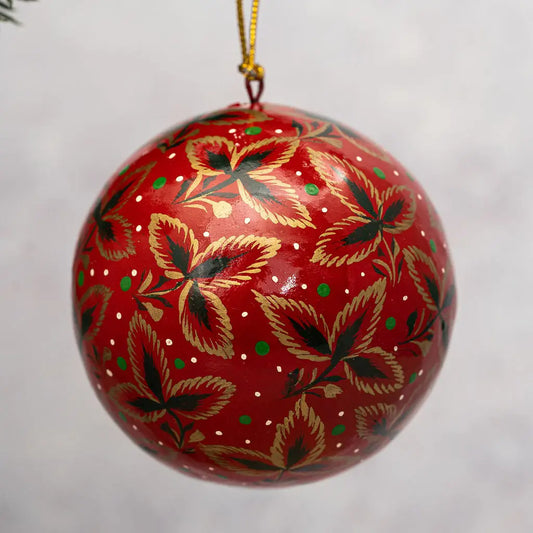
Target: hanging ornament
x=262 y=295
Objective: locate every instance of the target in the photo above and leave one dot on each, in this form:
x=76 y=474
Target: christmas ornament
x=262 y=296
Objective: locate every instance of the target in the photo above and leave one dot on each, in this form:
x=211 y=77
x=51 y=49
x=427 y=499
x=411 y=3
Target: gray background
x=445 y=86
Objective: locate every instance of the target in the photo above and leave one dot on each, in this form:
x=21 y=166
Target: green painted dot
x=179 y=363
x=390 y=323
x=125 y=283
x=432 y=245
x=338 y=430
x=81 y=278
x=123 y=416
x=262 y=348
x=159 y=182
x=412 y=377
x=323 y=290
x=379 y=173
x=121 y=362
x=311 y=189
x=253 y=130
x=245 y=419
x=124 y=170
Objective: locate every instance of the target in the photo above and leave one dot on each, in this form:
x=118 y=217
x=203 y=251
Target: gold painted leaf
x=297 y=326
x=365 y=312
x=115 y=242
x=241 y=460
x=205 y=321
x=173 y=244
x=230 y=261
x=196 y=436
x=211 y=156
x=331 y=390
x=153 y=311
x=374 y=371
x=398 y=209
x=200 y=398
x=348 y=241
x=91 y=312
x=299 y=439
x=130 y=399
x=424 y=273
x=373 y=421
x=263 y=157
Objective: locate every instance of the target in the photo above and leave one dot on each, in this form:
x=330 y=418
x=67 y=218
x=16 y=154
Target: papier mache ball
x=262 y=296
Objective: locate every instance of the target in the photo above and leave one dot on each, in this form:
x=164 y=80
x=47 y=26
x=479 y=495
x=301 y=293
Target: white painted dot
x=172 y=156
x=211 y=469
x=218 y=433
x=298 y=173
x=423 y=233
x=247 y=220
x=443 y=270
x=405 y=298
x=396 y=173
x=138 y=198
x=268 y=422
x=160 y=442
x=363 y=274
x=91 y=272
x=279 y=131
x=275 y=279
x=135 y=428
x=98 y=386
x=185 y=466
x=112 y=342
x=168 y=342
x=179 y=178
x=119 y=316
x=194 y=360
x=444 y=245
x=359 y=158
x=138 y=228
x=233 y=130
x=244 y=314
x=278 y=368
x=304 y=286
x=419 y=196
x=347 y=291
x=339 y=444
x=257 y=394
x=109 y=373
x=106 y=272
x=296 y=246
x=421 y=372
x=237 y=144
x=395 y=348
x=341 y=413
x=134 y=272
x=243 y=357
x=402 y=397
x=356 y=450
x=247 y=441
x=324 y=210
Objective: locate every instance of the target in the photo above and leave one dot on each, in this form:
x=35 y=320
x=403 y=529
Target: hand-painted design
x=297 y=448
x=98 y=360
x=305 y=334
x=355 y=237
x=154 y=395
x=224 y=263
x=438 y=294
x=224 y=171
x=315 y=132
x=112 y=232
x=90 y=312
x=374 y=421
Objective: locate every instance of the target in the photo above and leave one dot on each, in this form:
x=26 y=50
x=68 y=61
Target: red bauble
x=262 y=296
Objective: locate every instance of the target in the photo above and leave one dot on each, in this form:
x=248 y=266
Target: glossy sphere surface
x=262 y=296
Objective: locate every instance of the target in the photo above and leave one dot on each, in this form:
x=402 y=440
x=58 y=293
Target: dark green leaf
x=411 y=321
x=161 y=282
x=207 y=181
x=148 y=450
x=448 y=299
x=186 y=402
x=378 y=271
x=333 y=379
x=380 y=428
x=296 y=452
x=445 y=333
x=115 y=199
x=213 y=266
x=393 y=245
x=348 y=131
x=140 y=305
x=346 y=339
x=253 y=161
x=198 y=306
x=219 y=162
x=146 y=404
x=298 y=126
x=433 y=289
x=393 y=211
x=258 y=190
x=151 y=375
x=164 y=301
x=311 y=336
x=400 y=265
x=381 y=253
x=364 y=368
x=87 y=319
x=180 y=256
x=363 y=233
x=224 y=195
x=361 y=197
x=105 y=230
x=183 y=189
x=255 y=465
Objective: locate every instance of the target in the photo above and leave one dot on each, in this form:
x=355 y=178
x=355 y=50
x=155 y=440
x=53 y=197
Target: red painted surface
x=262 y=297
